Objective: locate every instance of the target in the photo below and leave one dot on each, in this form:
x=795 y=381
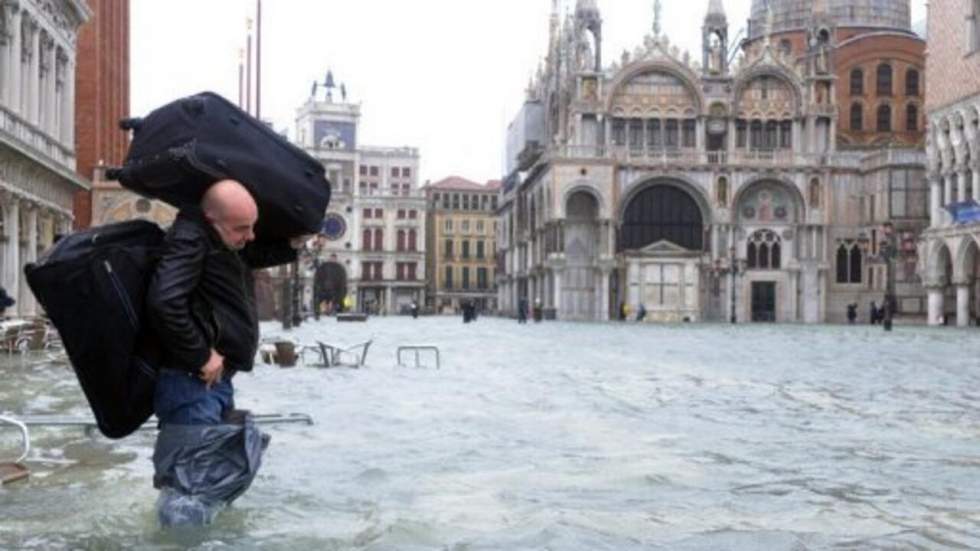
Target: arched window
x=400 y=240
x=857 y=117
x=412 y=241
x=756 y=135
x=764 y=251
x=662 y=212
x=771 y=130
x=912 y=82
x=366 y=240
x=379 y=240
x=884 y=79
x=849 y=263
x=884 y=118
x=843 y=275
x=912 y=118
x=815 y=193
x=855 y=264
x=857 y=82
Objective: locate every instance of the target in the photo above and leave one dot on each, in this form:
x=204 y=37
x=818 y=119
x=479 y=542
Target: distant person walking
x=641 y=312
x=5 y=301
x=415 y=310
x=852 y=313
x=874 y=313
x=538 y=311
x=522 y=310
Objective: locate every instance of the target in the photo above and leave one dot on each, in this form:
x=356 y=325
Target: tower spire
x=657 y=8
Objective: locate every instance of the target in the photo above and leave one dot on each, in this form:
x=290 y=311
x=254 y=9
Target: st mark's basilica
x=752 y=182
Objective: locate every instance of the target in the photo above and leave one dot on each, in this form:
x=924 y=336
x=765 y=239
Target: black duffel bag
x=92 y=284
x=180 y=149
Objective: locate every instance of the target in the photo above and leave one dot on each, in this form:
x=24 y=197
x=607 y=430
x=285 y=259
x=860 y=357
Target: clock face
x=334 y=227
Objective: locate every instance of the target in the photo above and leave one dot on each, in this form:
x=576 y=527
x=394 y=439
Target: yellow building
x=461 y=244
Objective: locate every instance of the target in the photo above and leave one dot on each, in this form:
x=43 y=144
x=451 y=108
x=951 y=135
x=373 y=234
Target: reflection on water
x=556 y=436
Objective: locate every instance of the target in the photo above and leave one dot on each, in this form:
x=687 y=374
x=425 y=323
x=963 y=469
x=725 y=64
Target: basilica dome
x=790 y=15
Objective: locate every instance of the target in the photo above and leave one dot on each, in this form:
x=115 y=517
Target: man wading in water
x=201 y=305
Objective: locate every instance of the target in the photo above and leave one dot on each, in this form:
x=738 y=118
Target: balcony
x=26 y=133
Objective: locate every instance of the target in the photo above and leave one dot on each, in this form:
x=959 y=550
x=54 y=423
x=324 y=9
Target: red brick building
x=102 y=95
x=878 y=62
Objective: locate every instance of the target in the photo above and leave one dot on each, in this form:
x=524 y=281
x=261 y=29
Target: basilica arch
x=661 y=244
x=767 y=215
x=580 y=295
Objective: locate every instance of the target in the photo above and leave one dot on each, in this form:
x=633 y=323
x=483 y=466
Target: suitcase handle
x=131 y=123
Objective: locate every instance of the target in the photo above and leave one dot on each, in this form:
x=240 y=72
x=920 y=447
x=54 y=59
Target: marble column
x=6 y=44
x=50 y=87
x=12 y=75
x=947 y=198
x=558 y=291
x=11 y=264
x=976 y=181
x=936 y=306
x=28 y=307
x=33 y=76
x=962 y=305
x=963 y=184
x=935 y=202
x=603 y=314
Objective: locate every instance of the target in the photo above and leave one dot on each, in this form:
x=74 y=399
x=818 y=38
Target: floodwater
x=558 y=436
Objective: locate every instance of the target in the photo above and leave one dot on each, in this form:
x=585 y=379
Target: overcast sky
x=445 y=76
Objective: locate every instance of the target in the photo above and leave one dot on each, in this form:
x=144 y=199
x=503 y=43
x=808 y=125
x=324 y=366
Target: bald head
x=232 y=211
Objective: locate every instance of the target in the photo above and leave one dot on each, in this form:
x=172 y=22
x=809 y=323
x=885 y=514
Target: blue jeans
x=182 y=398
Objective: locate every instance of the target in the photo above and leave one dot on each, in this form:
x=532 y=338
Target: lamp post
x=889 y=250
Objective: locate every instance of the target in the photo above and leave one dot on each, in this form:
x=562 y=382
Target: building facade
x=949 y=247
x=38 y=41
x=712 y=191
x=460 y=239
x=374 y=231
x=102 y=100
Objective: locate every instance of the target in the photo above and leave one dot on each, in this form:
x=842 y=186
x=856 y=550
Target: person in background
x=6 y=301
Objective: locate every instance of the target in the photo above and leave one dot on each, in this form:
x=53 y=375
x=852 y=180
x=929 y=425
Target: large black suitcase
x=92 y=285
x=183 y=147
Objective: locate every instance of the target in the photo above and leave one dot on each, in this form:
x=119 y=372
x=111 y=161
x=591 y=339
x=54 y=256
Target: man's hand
x=211 y=372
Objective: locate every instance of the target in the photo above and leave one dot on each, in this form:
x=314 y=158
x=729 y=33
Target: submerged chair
x=329 y=355
x=11 y=471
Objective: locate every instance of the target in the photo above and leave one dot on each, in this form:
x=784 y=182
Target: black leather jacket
x=202 y=295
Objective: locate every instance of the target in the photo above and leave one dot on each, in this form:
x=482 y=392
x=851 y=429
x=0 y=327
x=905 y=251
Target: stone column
x=50 y=87
x=558 y=272
x=66 y=131
x=33 y=76
x=976 y=181
x=6 y=44
x=604 y=299
x=963 y=184
x=935 y=202
x=947 y=197
x=389 y=300
x=11 y=263
x=13 y=14
x=962 y=305
x=28 y=308
x=936 y=306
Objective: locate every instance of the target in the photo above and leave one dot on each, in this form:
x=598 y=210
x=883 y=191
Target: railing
x=19 y=129
x=890 y=157
x=665 y=157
